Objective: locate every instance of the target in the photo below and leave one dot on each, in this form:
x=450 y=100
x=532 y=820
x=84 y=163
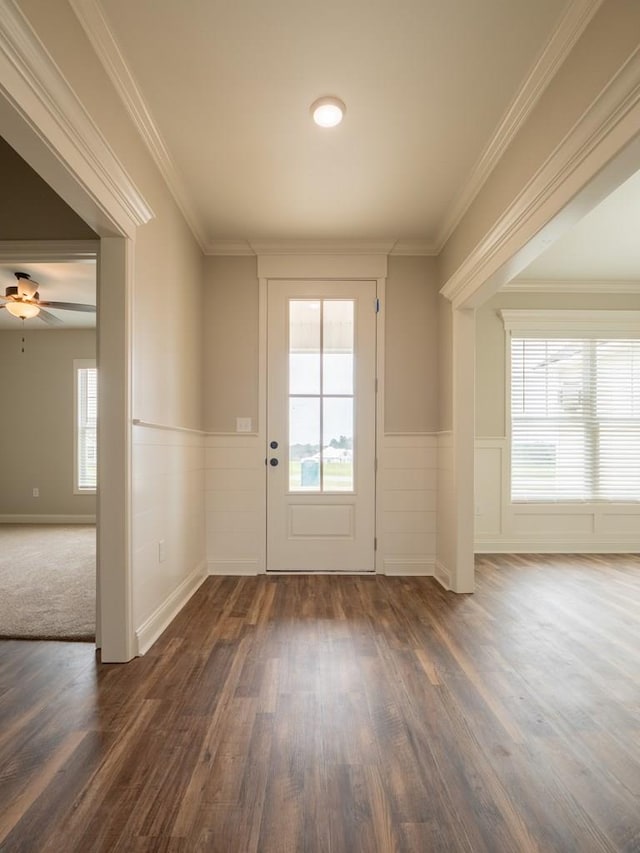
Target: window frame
x=547 y=324
x=79 y=364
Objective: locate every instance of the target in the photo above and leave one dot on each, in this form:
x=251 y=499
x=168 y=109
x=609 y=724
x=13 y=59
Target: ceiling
x=226 y=89
x=603 y=246
x=58 y=282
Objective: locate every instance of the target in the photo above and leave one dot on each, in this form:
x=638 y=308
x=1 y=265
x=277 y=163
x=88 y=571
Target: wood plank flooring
x=340 y=714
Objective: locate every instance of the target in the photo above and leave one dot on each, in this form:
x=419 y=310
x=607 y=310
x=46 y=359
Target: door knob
x=273 y=462
x=273 y=445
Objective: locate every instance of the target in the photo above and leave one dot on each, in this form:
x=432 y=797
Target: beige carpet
x=48 y=581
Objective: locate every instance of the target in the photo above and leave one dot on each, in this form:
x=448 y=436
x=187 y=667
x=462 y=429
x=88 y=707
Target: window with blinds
x=575 y=419
x=86 y=428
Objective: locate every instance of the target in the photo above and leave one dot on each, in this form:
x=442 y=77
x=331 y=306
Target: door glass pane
x=337 y=444
x=304 y=444
x=337 y=349
x=321 y=385
x=304 y=346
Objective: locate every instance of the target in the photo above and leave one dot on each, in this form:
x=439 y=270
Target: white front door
x=321 y=426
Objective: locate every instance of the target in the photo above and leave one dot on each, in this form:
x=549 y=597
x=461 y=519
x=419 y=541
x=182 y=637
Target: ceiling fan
x=23 y=301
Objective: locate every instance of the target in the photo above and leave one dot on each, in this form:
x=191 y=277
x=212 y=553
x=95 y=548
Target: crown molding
x=299 y=247
x=319 y=247
x=48 y=251
x=414 y=248
x=43 y=97
x=92 y=19
x=229 y=247
x=571 y=26
x=605 y=129
x=529 y=285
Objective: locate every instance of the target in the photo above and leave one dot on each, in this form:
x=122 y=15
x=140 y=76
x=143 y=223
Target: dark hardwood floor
x=342 y=714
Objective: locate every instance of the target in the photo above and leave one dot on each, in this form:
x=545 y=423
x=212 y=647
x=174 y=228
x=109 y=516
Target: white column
x=462 y=579
x=115 y=624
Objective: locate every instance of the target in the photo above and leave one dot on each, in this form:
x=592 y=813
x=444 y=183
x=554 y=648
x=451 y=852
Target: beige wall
x=411 y=346
x=490 y=345
x=230 y=316
x=231 y=344
x=30 y=209
x=167 y=343
x=610 y=38
x=167 y=327
x=36 y=421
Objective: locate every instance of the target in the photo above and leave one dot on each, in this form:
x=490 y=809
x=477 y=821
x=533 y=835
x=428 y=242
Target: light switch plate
x=243 y=424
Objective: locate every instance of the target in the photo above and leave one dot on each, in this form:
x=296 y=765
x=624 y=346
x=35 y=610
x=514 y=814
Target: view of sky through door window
x=321 y=395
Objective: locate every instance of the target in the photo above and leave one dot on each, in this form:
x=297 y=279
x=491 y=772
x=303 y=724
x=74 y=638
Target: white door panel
x=321 y=426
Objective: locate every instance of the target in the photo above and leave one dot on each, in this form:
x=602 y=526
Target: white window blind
x=575 y=419
x=87 y=411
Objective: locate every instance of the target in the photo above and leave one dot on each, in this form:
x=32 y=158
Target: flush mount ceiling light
x=328 y=111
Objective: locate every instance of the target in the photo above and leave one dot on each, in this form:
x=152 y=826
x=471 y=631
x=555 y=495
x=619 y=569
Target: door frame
x=327 y=267
x=44 y=120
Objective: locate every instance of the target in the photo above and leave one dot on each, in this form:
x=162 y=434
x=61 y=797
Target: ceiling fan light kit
x=23 y=301
x=23 y=310
x=26 y=287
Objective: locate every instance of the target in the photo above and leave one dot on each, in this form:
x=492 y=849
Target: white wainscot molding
x=160 y=619
x=491 y=490
x=168 y=536
x=563 y=527
x=40 y=518
x=445 y=506
x=235 y=504
x=407 y=493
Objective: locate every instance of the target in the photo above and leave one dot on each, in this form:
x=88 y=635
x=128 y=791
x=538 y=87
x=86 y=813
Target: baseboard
x=233 y=567
x=149 y=631
x=441 y=574
x=47 y=519
x=548 y=545
x=409 y=567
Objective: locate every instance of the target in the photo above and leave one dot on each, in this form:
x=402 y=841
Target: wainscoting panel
x=530 y=524
x=489 y=495
x=407 y=496
x=235 y=504
x=445 y=509
x=505 y=527
x=168 y=525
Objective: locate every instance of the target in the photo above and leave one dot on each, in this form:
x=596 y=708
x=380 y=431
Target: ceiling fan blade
x=49 y=318
x=69 y=306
